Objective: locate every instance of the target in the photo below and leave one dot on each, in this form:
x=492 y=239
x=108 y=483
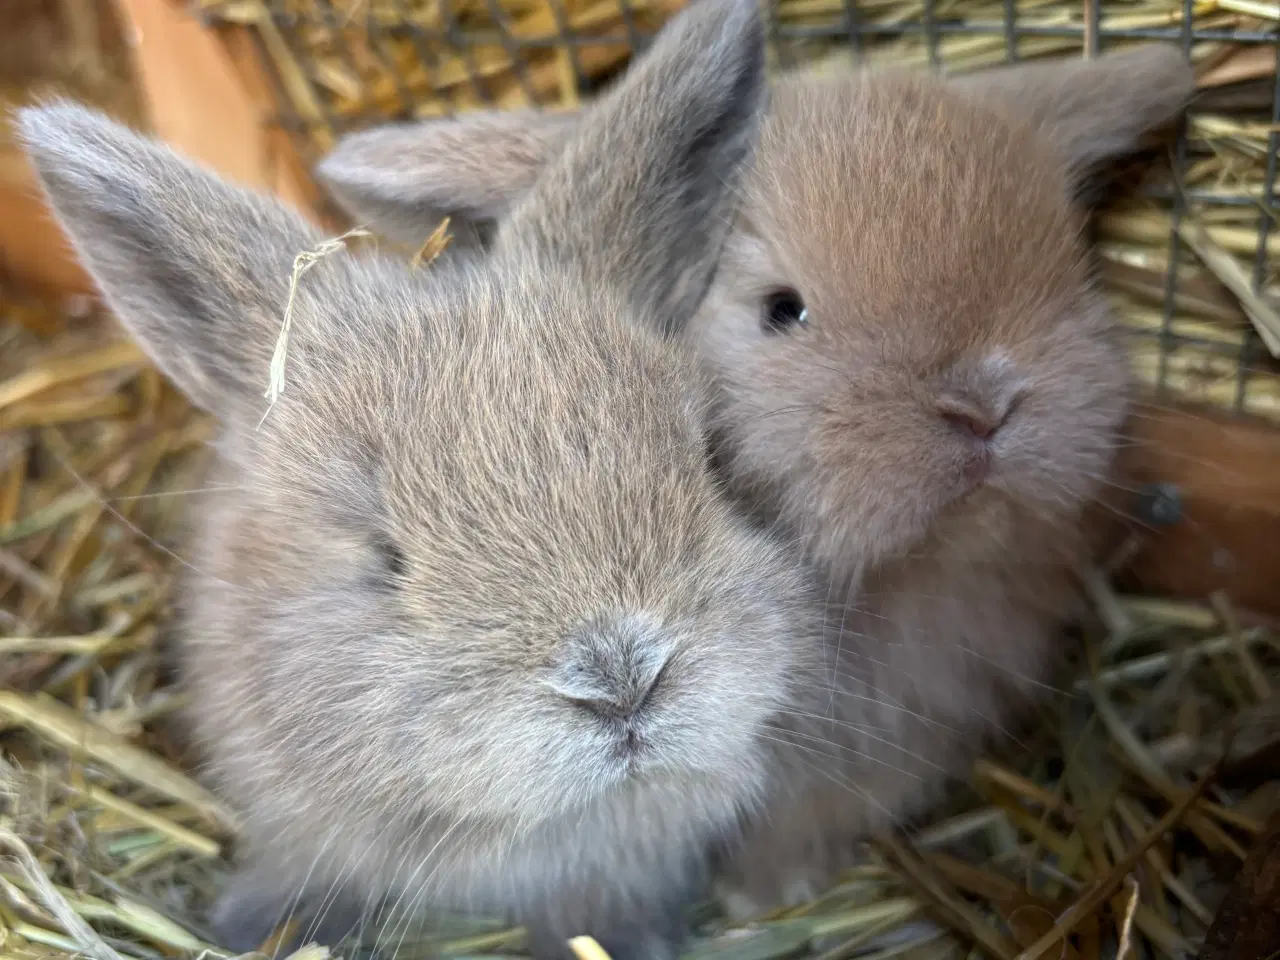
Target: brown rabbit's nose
x=976 y=426
x=970 y=419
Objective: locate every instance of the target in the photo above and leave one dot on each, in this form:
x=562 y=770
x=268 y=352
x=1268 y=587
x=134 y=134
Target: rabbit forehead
x=887 y=193
x=514 y=399
x=485 y=355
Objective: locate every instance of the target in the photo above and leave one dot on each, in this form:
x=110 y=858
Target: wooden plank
x=33 y=248
x=1247 y=926
x=1227 y=473
x=199 y=102
x=194 y=99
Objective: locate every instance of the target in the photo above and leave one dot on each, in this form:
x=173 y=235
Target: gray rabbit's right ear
x=403 y=179
x=640 y=198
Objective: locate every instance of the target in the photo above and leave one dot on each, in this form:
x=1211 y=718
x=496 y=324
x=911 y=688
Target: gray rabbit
x=470 y=621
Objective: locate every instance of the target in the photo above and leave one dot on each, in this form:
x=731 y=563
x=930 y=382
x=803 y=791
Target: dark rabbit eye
x=392 y=557
x=783 y=310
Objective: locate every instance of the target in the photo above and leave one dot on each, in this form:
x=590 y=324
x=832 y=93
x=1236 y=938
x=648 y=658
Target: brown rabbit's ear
x=197 y=269
x=402 y=179
x=640 y=198
x=1093 y=110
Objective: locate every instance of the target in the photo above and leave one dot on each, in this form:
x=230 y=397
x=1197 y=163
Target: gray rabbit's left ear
x=403 y=179
x=196 y=267
x=1093 y=110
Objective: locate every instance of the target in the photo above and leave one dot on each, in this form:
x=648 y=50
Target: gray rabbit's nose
x=611 y=666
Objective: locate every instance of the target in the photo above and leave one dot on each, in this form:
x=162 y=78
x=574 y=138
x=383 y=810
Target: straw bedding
x=1112 y=827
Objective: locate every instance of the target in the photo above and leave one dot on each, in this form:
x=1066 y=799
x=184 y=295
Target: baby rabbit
x=917 y=380
x=470 y=622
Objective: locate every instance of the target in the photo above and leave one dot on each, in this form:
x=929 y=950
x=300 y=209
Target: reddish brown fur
x=955 y=280
x=960 y=244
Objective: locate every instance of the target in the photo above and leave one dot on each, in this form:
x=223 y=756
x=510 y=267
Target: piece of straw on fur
x=433 y=246
x=303 y=262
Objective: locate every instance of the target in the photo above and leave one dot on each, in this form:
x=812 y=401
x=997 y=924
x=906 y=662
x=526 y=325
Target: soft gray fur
x=469 y=621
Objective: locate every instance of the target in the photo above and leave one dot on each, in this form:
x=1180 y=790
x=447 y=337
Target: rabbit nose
x=970 y=419
x=614 y=708
x=981 y=427
x=611 y=670
x=618 y=698
x=976 y=427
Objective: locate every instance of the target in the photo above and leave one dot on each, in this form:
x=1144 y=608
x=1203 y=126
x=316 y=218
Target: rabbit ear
x=401 y=180
x=641 y=196
x=1093 y=110
x=198 y=270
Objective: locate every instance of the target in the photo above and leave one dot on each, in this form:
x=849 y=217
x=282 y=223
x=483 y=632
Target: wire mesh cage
x=1187 y=251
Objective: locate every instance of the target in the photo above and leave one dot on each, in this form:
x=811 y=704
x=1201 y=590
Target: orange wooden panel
x=200 y=102
x=194 y=98
x=33 y=248
x=1227 y=473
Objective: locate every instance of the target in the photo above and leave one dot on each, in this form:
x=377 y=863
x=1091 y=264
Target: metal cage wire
x=456 y=50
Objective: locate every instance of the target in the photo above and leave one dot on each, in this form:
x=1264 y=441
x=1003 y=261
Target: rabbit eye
x=783 y=310
x=392 y=557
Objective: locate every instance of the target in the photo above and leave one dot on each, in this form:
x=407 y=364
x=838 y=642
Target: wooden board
x=201 y=102
x=1247 y=926
x=203 y=97
x=1227 y=473
x=33 y=248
